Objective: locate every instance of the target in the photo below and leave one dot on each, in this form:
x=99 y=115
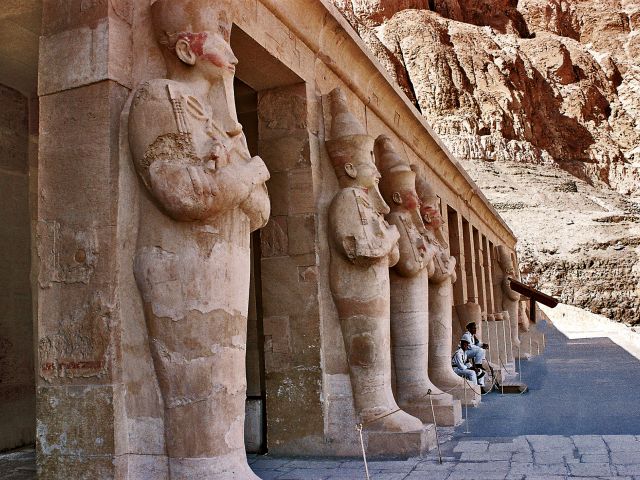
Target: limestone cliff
x=540 y=99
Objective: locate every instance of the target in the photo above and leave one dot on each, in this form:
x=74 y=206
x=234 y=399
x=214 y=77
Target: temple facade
x=151 y=277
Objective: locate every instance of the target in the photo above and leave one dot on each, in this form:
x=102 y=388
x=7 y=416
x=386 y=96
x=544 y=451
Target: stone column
x=490 y=336
x=204 y=195
x=290 y=283
x=456 y=250
x=508 y=332
x=83 y=86
x=440 y=319
x=488 y=275
x=470 y=262
x=363 y=247
x=409 y=290
x=502 y=338
x=478 y=242
x=441 y=296
x=510 y=299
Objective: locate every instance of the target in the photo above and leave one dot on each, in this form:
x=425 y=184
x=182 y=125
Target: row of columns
x=482 y=268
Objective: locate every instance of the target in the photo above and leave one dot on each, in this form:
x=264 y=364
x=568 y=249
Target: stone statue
x=409 y=293
x=510 y=299
x=441 y=279
x=204 y=195
x=363 y=247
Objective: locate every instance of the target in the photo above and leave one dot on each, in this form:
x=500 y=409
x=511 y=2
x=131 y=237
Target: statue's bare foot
x=398 y=421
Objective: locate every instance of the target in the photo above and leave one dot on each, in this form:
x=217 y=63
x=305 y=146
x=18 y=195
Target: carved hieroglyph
x=363 y=247
x=409 y=293
x=441 y=279
x=205 y=194
x=510 y=299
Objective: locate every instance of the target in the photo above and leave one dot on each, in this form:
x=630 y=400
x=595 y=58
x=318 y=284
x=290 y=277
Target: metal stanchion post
x=466 y=407
x=519 y=365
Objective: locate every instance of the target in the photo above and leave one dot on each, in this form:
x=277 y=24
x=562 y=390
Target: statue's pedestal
x=467 y=396
x=399 y=445
x=447 y=414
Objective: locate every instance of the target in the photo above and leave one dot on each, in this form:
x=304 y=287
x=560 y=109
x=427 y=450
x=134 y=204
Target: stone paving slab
x=555 y=457
x=516 y=458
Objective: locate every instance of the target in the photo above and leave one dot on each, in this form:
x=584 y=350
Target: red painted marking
x=196 y=40
x=409 y=200
x=79 y=365
x=434 y=214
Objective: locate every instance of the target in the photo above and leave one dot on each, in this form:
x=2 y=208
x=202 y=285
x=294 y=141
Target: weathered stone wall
x=17 y=387
x=99 y=404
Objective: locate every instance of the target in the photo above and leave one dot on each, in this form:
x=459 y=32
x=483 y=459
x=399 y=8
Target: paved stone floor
x=580 y=420
x=531 y=457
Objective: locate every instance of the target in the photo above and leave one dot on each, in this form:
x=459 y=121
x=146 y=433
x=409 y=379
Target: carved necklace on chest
x=196 y=110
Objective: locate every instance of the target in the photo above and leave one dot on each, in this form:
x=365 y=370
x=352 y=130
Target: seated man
x=476 y=352
x=462 y=367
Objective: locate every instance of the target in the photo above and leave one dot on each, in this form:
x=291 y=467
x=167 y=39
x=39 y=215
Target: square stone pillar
x=478 y=243
x=456 y=246
x=289 y=266
x=84 y=77
x=470 y=263
x=488 y=275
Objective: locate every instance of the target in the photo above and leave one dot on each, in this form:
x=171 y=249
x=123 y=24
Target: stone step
x=514 y=387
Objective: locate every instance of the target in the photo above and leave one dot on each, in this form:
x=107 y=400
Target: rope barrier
x=364 y=454
x=435 y=424
x=380 y=417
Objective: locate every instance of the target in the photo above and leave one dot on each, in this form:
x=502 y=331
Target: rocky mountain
x=540 y=100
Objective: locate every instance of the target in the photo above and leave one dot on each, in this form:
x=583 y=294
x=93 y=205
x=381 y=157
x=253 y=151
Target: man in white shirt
x=462 y=367
x=476 y=352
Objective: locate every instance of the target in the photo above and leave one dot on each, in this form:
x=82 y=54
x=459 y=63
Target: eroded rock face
x=554 y=83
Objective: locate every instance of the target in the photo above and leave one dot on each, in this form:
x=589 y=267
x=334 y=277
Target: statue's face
x=407 y=199
x=210 y=52
x=431 y=215
x=217 y=56
x=367 y=176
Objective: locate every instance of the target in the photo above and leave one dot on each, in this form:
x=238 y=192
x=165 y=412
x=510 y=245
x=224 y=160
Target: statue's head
x=195 y=34
x=350 y=148
x=504 y=260
x=398 y=184
x=429 y=204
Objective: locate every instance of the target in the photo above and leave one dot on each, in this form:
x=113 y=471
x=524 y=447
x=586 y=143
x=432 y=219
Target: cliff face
x=544 y=86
